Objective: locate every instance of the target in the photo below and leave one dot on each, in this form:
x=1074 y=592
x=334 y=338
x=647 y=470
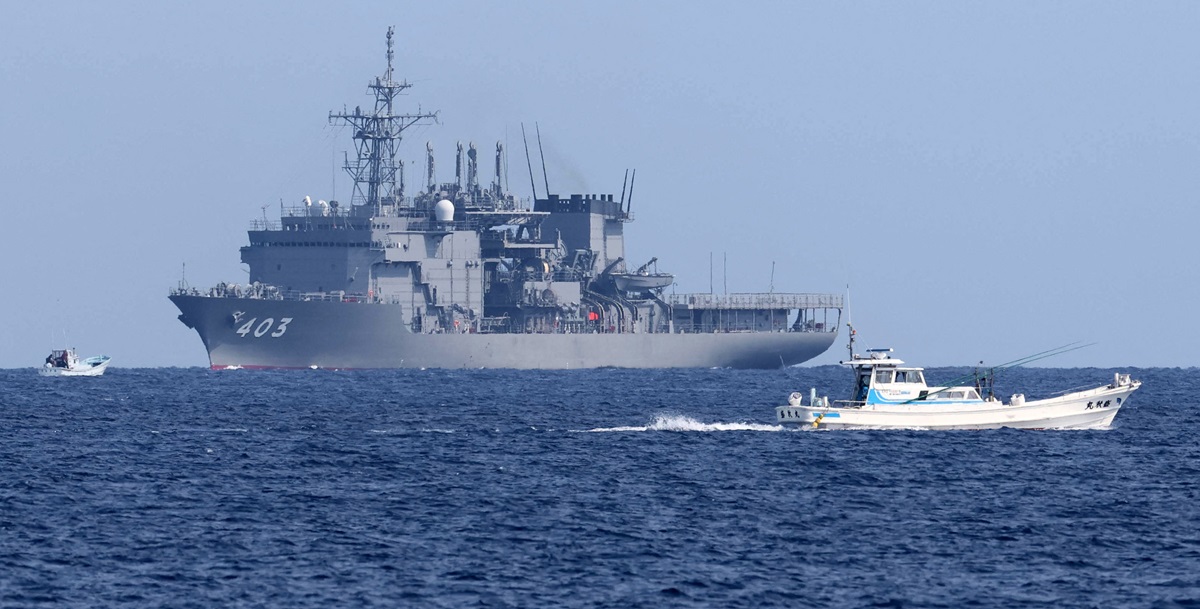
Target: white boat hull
x=634 y=282
x=92 y=366
x=1092 y=409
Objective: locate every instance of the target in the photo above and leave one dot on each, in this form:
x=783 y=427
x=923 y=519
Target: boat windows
x=883 y=376
x=909 y=376
x=956 y=395
x=971 y=395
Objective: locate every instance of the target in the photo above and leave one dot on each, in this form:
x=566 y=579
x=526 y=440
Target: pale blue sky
x=992 y=179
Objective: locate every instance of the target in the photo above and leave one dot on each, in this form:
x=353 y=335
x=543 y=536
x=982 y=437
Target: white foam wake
x=675 y=422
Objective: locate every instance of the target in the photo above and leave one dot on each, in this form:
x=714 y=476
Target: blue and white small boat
x=64 y=362
x=890 y=395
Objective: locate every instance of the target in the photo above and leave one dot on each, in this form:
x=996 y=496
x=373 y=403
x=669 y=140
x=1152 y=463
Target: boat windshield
x=883 y=376
x=909 y=376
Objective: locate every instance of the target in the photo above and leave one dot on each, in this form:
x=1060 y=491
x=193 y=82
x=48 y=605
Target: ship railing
x=401 y=207
x=732 y=328
x=435 y=226
x=768 y=300
x=504 y=325
x=261 y=292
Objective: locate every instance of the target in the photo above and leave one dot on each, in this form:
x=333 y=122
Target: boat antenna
x=543 y=155
x=529 y=164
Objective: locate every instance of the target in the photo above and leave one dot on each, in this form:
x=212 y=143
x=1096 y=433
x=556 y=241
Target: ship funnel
x=496 y=187
x=429 y=175
x=458 y=166
x=472 y=167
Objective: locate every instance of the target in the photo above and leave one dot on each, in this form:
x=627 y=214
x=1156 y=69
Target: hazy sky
x=991 y=179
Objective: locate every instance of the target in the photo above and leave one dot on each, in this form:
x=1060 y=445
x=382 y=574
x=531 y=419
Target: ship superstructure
x=459 y=274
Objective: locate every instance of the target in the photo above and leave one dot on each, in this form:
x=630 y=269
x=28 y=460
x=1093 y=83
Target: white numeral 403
x=261 y=328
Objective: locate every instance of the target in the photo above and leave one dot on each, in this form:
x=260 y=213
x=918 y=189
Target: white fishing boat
x=64 y=362
x=890 y=395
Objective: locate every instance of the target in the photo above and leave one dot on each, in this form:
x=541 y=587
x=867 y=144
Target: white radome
x=444 y=211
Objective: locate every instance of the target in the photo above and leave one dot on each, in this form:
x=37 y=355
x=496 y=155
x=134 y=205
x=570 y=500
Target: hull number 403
x=263 y=328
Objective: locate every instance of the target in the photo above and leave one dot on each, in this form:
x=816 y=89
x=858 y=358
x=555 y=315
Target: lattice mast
x=376 y=169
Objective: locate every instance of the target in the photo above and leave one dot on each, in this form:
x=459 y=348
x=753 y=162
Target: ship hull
x=253 y=333
x=1093 y=409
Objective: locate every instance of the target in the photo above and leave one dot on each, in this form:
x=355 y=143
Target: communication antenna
x=529 y=164
x=543 y=155
x=390 y=52
x=624 y=183
x=710 y=288
x=631 y=181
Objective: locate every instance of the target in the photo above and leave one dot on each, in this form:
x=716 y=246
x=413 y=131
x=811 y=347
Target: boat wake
x=410 y=431
x=675 y=422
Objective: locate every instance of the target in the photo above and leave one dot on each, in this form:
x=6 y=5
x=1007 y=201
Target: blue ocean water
x=603 y=488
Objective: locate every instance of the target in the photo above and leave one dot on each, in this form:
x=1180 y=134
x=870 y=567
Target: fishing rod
x=1067 y=348
x=1043 y=355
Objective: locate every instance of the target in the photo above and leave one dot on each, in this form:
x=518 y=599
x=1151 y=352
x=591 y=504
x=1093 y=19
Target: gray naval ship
x=463 y=275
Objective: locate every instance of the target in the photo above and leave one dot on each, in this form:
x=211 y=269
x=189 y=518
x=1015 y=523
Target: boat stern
x=814 y=415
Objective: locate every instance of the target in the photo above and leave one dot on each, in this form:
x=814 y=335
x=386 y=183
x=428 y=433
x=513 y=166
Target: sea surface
x=604 y=488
